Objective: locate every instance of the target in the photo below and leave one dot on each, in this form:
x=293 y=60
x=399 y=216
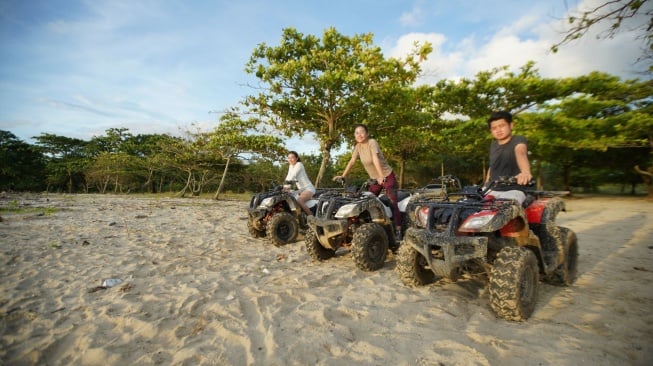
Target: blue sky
x=78 y=68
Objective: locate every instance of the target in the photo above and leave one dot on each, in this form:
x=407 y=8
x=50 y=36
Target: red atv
x=513 y=244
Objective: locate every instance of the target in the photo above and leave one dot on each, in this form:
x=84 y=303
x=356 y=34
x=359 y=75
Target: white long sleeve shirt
x=298 y=173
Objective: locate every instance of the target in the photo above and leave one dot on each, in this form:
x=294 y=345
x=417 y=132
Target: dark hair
x=361 y=125
x=296 y=155
x=495 y=116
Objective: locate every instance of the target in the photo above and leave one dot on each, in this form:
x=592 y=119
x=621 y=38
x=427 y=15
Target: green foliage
x=583 y=132
x=22 y=167
x=326 y=85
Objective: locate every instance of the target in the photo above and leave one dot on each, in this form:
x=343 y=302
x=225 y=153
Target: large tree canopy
x=324 y=86
x=235 y=136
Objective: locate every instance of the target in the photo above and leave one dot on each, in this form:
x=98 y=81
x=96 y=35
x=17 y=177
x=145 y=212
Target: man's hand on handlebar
x=524 y=179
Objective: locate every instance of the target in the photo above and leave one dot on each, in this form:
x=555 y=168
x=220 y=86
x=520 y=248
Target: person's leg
x=516 y=195
x=376 y=189
x=304 y=196
x=391 y=187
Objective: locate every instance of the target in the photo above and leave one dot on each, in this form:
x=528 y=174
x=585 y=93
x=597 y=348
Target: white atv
x=277 y=215
x=355 y=220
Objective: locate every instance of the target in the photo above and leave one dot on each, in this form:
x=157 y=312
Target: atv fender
x=544 y=210
x=505 y=213
x=541 y=218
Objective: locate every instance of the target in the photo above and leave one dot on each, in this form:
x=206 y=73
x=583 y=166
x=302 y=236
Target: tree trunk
x=566 y=171
x=402 y=167
x=148 y=185
x=224 y=175
x=70 y=181
x=189 y=181
x=538 y=176
x=647 y=177
x=326 y=158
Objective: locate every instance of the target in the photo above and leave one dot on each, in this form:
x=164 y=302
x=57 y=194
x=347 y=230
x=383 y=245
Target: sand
x=198 y=290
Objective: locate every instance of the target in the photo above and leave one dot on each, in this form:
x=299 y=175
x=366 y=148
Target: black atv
x=277 y=215
x=354 y=219
x=512 y=244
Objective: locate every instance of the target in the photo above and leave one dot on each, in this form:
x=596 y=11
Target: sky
x=77 y=68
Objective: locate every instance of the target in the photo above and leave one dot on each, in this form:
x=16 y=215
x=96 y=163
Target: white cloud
x=528 y=38
x=414 y=17
x=152 y=66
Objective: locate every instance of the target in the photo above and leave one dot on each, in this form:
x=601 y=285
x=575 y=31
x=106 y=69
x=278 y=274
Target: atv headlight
x=348 y=210
x=421 y=216
x=475 y=222
x=267 y=203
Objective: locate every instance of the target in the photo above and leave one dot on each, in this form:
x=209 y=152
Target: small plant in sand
x=14 y=207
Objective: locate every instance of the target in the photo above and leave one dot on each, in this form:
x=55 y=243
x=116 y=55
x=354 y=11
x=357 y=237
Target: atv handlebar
x=343 y=181
x=506 y=181
x=449 y=179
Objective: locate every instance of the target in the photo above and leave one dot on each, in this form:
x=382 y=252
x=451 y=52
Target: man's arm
x=521 y=153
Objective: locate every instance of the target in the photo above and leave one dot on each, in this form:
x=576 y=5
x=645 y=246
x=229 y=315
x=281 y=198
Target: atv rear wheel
x=282 y=228
x=566 y=273
x=315 y=249
x=412 y=267
x=254 y=232
x=514 y=282
x=369 y=247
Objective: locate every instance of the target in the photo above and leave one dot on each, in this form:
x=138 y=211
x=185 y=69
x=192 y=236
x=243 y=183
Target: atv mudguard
x=507 y=212
x=541 y=215
x=544 y=210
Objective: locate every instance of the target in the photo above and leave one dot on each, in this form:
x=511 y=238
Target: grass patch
x=14 y=207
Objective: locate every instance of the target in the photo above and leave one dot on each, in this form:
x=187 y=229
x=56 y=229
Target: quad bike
x=277 y=215
x=356 y=220
x=474 y=233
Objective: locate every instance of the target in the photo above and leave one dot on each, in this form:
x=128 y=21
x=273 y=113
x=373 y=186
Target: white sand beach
x=198 y=290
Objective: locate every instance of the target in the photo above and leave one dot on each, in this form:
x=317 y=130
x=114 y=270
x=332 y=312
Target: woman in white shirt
x=296 y=172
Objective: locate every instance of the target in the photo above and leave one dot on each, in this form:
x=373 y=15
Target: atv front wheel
x=412 y=267
x=514 y=283
x=315 y=249
x=369 y=247
x=566 y=273
x=254 y=232
x=282 y=228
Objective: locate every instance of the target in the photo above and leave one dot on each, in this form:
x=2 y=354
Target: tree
x=260 y=172
x=21 y=165
x=116 y=158
x=235 y=136
x=405 y=124
x=324 y=86
x=120 y=169
x=472 y=100
x=616 y=12
x=66 y=159
x=148 y=149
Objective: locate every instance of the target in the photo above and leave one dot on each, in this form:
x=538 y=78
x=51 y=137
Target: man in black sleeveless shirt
x=508 y=156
